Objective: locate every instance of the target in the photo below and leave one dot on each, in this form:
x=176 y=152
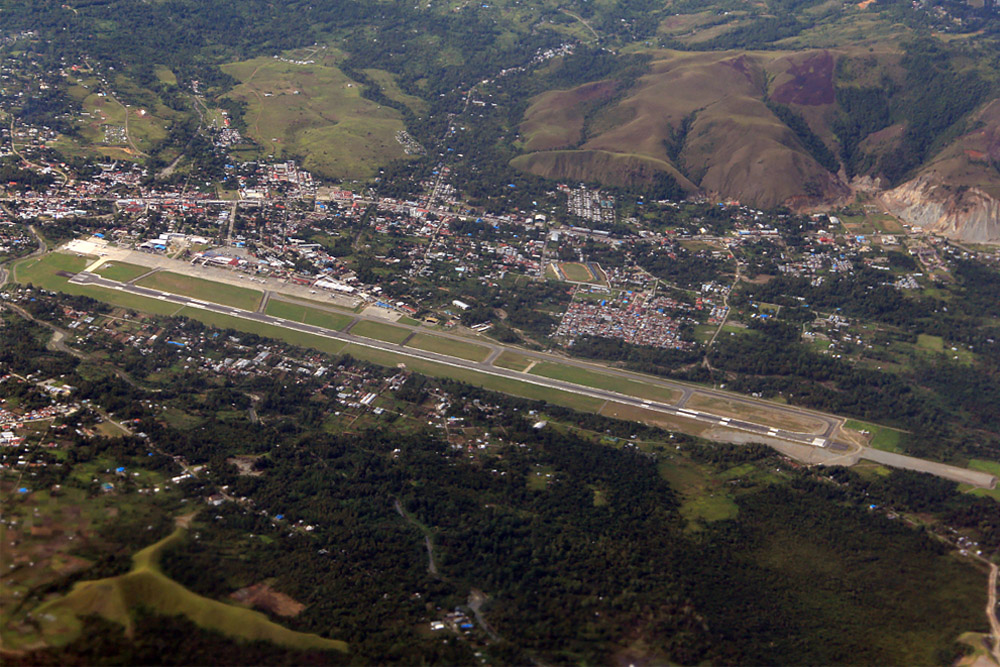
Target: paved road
x=85 y=278
x=991 y=612
x=954 y=473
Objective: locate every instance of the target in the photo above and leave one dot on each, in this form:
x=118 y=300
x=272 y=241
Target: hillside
x=768 y=128
x=958 y=192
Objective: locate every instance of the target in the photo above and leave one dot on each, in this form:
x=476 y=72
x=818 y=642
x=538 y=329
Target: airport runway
x=823 y=440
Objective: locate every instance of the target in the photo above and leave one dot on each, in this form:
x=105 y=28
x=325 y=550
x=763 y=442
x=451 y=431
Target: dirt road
x=991 y=612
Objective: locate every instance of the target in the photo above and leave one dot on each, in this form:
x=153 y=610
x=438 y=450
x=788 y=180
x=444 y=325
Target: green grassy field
x=985 y=466
x=147 y=125
x=206 y=290
x=451 y=347
x=704 y=499
x=992 y=467
x=883 y=437
x=387 y=82
x=512 y=360
x=598 y=380
x=577 y=272
x=305 y=314
x=380 y=331
x=116 y=598
x=121 y=271
x=316 y=111
x=929 y=342
x=43 y=272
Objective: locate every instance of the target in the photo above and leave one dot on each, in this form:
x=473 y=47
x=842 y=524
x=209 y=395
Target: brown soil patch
x=264 y=597
x=245 y=464
x=811 y=84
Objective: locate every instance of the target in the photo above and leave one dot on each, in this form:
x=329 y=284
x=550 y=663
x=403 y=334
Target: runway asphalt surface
x=824 y=440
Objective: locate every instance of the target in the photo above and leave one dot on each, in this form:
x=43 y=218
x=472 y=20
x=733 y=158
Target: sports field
x=580 y=273
x=206 y=290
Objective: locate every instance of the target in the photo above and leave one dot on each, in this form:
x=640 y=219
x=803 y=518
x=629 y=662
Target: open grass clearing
x=145 y=585
x=986 y=466
x=979 y=491
x=882 y=437
x=315 y=110
x=206 y=290
x=121 y=271
x=598 y=380
x=44 y=272
x=704 y=499
x=929 y=342
x=449 y=346
x=387 y=82
x=380 y=331
x=755 y=413
x=512 y=361
x=181 y=420
x=306 y=315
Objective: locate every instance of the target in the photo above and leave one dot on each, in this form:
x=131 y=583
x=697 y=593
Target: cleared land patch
x=449 y=346
x=199 y=288
x=307 y=315
x=929 y=342
x=315 y=110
